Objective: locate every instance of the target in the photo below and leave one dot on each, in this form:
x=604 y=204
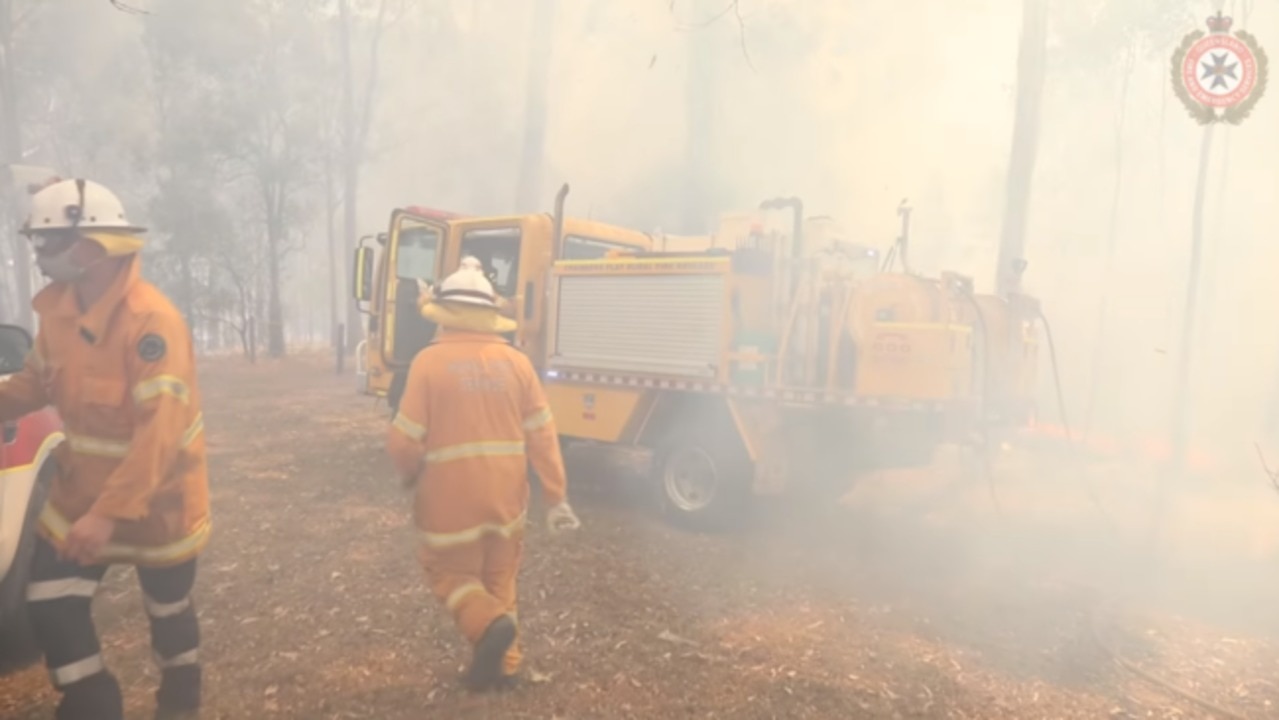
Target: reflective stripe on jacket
x=473 y=416
x=122 y=377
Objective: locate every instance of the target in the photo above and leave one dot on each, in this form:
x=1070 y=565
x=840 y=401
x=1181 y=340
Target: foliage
x=1091 y=36
x=240 y=93
x=213 y=120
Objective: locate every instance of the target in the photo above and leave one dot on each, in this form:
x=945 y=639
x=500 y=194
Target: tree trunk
x=1219 y=248
x=1031 y=68
x=350 y=158
x=11 y=154
x=1181 y=390
x=246 y=319
x=275 y=244
x=330 y=206
x=528 y=196
x=699 y=106
x=1112 y=240
x=1181 y=427
x=188 y=291
x=353 y=141
x=253 y=341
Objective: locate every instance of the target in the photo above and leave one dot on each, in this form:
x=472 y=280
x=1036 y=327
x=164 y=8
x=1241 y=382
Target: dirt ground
x=312 y=605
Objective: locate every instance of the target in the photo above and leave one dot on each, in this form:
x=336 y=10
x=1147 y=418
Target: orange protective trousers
x=476 y=581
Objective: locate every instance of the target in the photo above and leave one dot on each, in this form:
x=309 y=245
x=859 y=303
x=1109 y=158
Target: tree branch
x=217 y=319
x=705 y=23
x=128 y=9
x=1273 y=475
x=734 y=7
x=741 y=34
x=366 y=113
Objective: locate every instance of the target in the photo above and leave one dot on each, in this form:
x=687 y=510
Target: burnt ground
x=313 y=606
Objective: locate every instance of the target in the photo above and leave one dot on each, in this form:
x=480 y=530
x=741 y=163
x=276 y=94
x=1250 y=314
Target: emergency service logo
x=1217 y=75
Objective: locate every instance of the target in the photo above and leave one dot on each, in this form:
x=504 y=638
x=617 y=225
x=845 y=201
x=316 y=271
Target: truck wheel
x=17 y=648
x=701 y=484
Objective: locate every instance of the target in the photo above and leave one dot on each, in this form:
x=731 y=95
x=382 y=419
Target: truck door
x=499 y=251
x=413 y=252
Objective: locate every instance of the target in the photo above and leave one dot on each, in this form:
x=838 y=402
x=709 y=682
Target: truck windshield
x=415 y=256
x=498 y=250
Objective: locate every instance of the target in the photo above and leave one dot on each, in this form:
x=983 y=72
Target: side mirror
x=364 y=274
x=15 y=343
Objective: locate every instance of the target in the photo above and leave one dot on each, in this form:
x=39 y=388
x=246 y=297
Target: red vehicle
x=26 y=466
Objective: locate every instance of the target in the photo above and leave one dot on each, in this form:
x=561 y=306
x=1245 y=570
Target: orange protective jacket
x=472 y=418
x=122 y=377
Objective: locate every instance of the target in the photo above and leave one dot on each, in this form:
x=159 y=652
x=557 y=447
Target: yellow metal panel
x=643 y=266
x=952 y=327
x=915 y=361
x=594 y=413
x=608 y=233
x=760 y=429
x=724 y=369
x=379 y=374
x=683 y=243
x=390 y=282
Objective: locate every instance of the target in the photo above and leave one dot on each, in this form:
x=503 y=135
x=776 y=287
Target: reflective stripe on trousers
x=476 y=582
x=59 y=597
x=473 y=534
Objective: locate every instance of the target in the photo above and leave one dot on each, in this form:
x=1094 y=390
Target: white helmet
x=78 y=203
x=467 y=286
x=470 y=262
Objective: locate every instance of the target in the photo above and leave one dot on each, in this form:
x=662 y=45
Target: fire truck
x=422 y=245
x=748 y=365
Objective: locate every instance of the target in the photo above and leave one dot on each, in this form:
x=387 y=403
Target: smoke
x=854 y=107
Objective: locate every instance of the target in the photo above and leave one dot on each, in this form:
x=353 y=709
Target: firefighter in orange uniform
x=472 y=418
x=114 y=356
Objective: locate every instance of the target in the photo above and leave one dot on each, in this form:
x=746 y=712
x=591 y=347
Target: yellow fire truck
x=744 y=368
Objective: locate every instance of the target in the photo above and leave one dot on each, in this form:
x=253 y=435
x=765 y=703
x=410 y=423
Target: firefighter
x=472 y=418
x=114 y=356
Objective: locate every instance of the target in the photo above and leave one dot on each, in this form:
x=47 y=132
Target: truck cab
x=516 y=251
x=388 y=268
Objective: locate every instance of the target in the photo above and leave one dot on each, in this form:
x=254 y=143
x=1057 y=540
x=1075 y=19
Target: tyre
x=17 y=648
x=702 y=481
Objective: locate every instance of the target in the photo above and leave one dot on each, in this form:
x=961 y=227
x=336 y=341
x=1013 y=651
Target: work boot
x=178 y=697
x=486 y=666
x=94 y=698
